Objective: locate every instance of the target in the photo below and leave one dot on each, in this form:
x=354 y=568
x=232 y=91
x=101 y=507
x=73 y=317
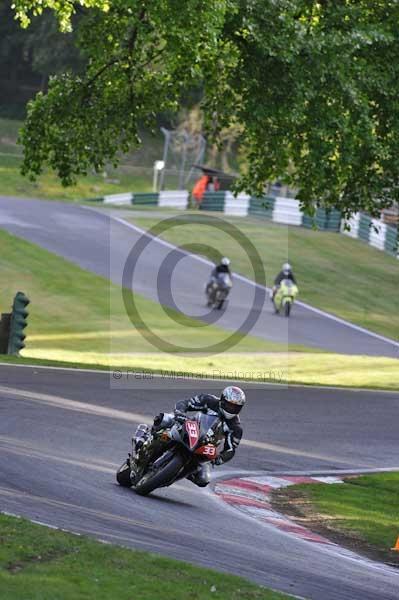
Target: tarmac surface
x=100 y=241
x=64 y=433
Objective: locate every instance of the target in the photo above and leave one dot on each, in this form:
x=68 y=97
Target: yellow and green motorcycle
x=284 y=297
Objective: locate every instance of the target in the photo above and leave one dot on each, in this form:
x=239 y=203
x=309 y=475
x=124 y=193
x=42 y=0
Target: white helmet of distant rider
x=287 y=268
x=232 y=400
x=225 y=261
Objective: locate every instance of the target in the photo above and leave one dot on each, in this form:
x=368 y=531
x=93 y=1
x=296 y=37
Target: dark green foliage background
x=313 y=84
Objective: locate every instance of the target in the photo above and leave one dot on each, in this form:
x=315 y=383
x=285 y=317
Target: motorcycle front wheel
x=123 y=474
x=220 y=304
x=153 y=480
x=287 y=309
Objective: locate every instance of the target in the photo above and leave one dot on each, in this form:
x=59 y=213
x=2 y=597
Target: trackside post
x=18 y=323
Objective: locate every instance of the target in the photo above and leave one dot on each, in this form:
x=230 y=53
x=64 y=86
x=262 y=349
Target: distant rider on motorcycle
x=222 y=267
x=228 y=407
x=285 y=273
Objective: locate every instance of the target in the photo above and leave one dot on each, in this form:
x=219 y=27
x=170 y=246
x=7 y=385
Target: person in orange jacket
x=200 y=188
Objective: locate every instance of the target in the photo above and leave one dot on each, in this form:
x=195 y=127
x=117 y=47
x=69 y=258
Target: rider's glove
x=158 y=420
x=180 y=416
x=218 y=461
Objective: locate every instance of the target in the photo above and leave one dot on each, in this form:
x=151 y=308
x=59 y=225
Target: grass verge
x=77 y=317
x=134 y=174
x=40 y=563
x=367 y=372
x=335 y=273
x=363 y=513
x=73 y=310
x=49 y=187
x=291 y=368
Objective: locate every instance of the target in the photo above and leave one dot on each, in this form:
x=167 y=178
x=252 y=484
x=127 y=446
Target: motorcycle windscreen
x=206 y=422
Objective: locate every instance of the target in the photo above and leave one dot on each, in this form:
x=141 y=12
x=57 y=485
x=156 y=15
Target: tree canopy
x=29 y=57
x=313 y=85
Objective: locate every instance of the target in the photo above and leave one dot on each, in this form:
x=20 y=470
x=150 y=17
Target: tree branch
x=109 y=64
x=135 y=31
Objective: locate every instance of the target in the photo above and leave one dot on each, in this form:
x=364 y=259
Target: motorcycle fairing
x=192 y=430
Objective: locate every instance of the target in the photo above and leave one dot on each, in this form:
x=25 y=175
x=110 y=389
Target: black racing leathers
x=233 y=434
x=221 y=269
x=282 y=275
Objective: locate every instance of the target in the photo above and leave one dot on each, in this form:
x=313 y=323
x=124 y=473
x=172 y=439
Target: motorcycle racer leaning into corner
x=228 y=407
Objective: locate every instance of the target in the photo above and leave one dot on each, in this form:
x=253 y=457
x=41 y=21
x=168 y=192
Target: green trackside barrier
x=364 y=227
x=262 y=207
x=213 y=201
x=391 y=240
x=309 y=222
x=326 y=220
x=149 y=198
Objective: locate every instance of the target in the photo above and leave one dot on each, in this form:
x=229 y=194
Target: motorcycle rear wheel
x=152 y=481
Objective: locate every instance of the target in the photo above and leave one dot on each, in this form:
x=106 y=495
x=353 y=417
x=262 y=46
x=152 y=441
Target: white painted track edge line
x=348 y=324
x=243 y=278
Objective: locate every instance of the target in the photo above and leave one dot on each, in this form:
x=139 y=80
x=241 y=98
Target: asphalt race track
x=63 y=434
x=100 y=243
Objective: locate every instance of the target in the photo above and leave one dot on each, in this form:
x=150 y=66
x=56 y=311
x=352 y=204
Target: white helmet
x=225 y=261
x=287 y=267
x=232 y=400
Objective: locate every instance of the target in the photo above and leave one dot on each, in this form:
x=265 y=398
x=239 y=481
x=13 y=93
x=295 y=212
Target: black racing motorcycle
x=173 y=453
x=218 y=290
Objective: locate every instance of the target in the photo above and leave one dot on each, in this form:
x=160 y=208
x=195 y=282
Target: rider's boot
x=133 y=470
x=202 y=475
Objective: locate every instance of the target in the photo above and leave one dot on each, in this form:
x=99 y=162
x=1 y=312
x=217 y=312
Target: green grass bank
x=73 y=310
x=37 y=563
x=363 y=512
x=77 y=317
x=130 y=176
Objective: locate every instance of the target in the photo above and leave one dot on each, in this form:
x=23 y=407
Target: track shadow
x=153 y=497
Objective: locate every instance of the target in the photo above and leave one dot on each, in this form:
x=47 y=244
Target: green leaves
x=313 y=85
x=140 y=60
x=313 y=80
x=64 y=9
